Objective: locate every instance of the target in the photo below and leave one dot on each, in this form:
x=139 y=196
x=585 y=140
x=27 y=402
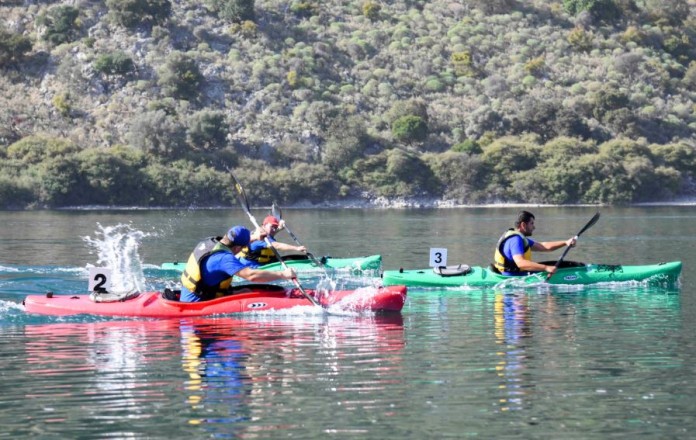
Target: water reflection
x=512 y=324
x=217 y=380
x=205 y=377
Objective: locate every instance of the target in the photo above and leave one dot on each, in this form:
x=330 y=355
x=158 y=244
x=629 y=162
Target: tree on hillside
x=13 y=47
x=132 y=13
x=233 y=10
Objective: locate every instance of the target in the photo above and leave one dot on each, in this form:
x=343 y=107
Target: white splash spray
x=117 y=249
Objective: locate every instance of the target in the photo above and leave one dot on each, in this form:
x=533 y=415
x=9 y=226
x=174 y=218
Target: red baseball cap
x=271 y=220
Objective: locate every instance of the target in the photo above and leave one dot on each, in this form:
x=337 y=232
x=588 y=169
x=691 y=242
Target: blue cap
x=239 y=236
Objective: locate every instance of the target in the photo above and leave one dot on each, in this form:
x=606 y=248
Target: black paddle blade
x=589 y=224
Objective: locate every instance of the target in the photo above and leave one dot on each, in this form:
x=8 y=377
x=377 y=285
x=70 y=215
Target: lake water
x=593 y=362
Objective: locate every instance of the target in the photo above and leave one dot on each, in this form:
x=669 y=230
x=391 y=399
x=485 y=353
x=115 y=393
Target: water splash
x=117 y=248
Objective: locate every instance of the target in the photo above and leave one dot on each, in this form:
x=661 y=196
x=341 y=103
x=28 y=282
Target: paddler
x=259 y=253
x=513 y=254
x=212 y=264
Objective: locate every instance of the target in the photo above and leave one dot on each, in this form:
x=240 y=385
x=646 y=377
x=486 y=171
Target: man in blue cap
x=212 y=265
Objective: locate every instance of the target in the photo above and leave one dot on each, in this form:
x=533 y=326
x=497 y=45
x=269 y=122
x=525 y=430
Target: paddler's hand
x=302 y=249
x=281 y=224
x=289 y=273
x=550 y=270
x=258 y=235
x=571 y=242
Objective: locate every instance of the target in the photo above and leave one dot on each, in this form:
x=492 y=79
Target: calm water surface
x=608 y=361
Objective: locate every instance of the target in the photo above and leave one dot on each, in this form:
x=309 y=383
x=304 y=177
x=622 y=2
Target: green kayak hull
x=356 y=264
x=667 y=273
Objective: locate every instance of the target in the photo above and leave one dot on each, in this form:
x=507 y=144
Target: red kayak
x=255 y=298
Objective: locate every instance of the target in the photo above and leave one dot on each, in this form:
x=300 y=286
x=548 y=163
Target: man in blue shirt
x=513 y=254
x=212 y=265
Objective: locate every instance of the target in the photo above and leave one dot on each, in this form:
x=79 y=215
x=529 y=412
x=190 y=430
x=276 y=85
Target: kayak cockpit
x=107 y=297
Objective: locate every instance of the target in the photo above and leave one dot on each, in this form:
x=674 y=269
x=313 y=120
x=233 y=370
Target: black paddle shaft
x=278 y=213
x=589 y=224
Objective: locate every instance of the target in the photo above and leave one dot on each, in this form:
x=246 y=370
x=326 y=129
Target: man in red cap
x=258 y=253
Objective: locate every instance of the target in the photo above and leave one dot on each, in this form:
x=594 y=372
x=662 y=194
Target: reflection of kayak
x=569 y=273
x=370 y=262
x=255 y=298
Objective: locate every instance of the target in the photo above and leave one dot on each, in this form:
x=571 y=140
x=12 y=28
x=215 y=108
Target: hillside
x=151 y=102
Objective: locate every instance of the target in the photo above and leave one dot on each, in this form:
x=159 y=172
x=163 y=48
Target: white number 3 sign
x=438 y=257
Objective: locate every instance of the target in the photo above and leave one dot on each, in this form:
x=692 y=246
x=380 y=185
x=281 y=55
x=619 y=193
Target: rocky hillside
x=150 y=102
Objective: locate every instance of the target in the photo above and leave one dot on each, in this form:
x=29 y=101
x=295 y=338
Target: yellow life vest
x=500 y=261
x=191 y=277
x=261 y=256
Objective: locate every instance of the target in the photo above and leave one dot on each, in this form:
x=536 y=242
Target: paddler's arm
x=263 y=276
x=288 y=247
x=531 y=266
x=548 y=246
x=545 y=246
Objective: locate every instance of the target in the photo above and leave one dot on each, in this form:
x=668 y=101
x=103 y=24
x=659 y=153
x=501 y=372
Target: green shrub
x=132 y=13
x=207 y=130
x=180 y=77
x=680 y=156
x=247 y=29
x=112 y=176
x=462 y=177
x=302 y=182
x=233 y=10
x=115 y=63
x=158 y=134
x=507 y=155
x=184 y=183
x=669 y=11
x=13 y=47
x=37 y=148
x=346 y=142
x=14 y=194
x=61 y=102
x=580 y=39
x=468 y=146
x=463 y=63
x=304 y=8
x=535 y=66
x=61 y=24
x=410 y=128
x=602 y=9
x=606 y=100
x=371 y=10
x=392 y=173
x=59 y=182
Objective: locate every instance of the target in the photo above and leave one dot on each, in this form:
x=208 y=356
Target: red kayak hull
x=153 y=305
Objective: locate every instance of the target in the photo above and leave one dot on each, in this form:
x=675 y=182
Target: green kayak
x=303 y=264
x=569 y=273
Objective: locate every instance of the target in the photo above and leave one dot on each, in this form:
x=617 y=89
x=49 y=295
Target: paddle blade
x=241 y=195
x=589 y=224
x=276 y=211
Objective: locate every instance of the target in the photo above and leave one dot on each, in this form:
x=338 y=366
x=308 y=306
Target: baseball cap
x=271 y=220
x=239 y=236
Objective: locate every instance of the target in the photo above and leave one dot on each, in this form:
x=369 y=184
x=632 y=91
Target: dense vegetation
x=151 y=102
